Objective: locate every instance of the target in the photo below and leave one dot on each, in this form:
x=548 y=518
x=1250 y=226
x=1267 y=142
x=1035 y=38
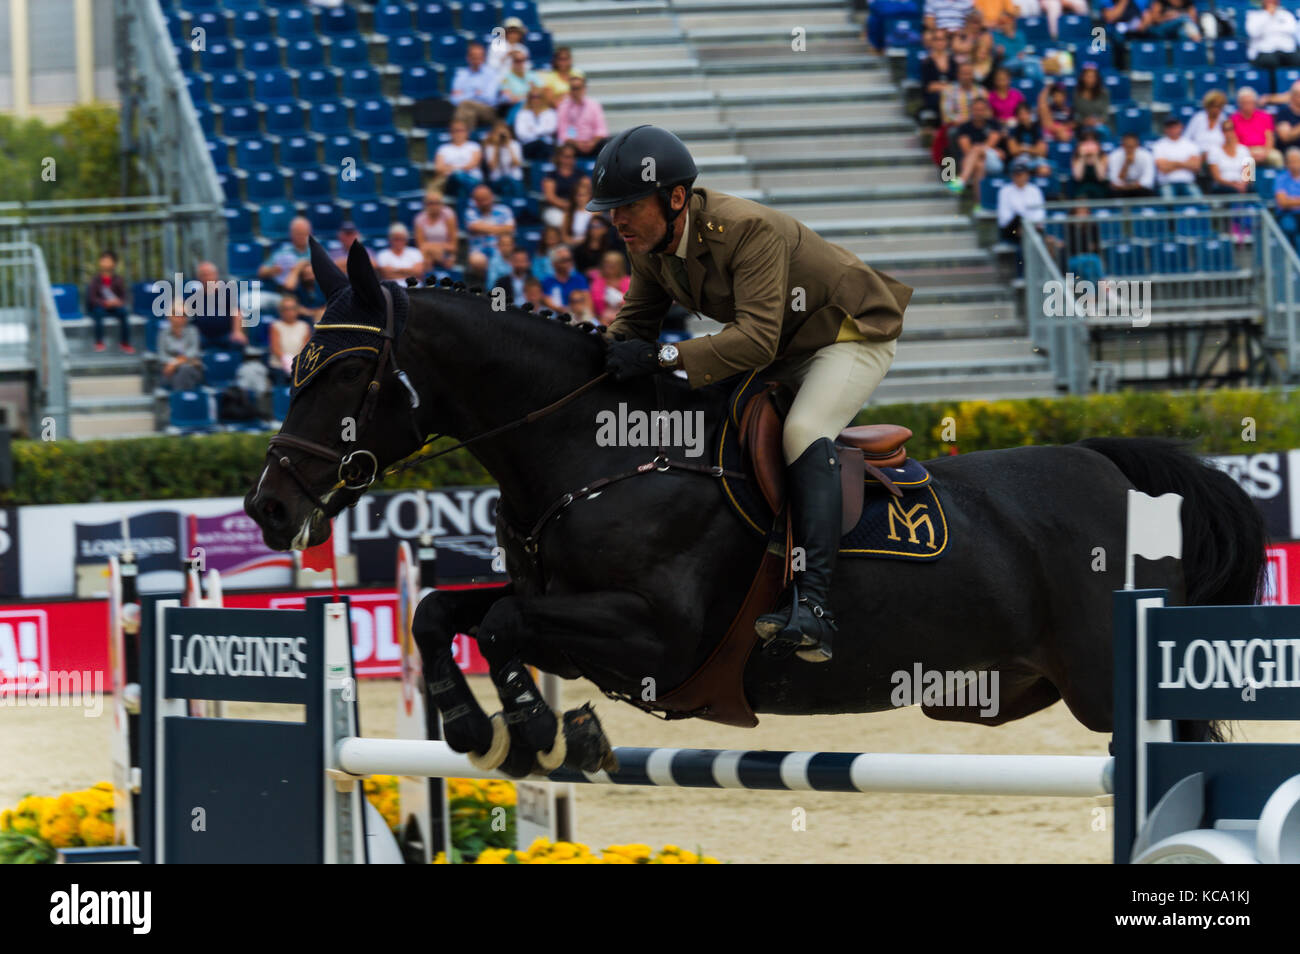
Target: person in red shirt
x=105 y=297
x=581 y=120
x=1255 y=129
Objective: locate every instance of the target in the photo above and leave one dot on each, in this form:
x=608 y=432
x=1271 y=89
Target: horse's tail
x=1223 y=530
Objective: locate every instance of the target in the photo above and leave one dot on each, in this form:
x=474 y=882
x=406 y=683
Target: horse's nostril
x=273 y=512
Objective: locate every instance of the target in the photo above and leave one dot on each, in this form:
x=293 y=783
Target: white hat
x=515 y=23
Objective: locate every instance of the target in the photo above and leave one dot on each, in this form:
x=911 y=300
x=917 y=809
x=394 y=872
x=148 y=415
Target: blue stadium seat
x=1193 y=222
x=142 y=298
x=1205 y=80
x=1266 y=182
x=191 y=411
x=1184 y=110
x=305 y=53
x=449 y=49
x=207 y=118
x=1119 y=87
x=421 y=82
x=433 y=18
x=229 y=183
x=264 y=185
x=317 y=84
x=284 y=119
x=261 y=54
x=239 y=122
x=298 y=152
x=239 y=222
x=1258 y=80
x=1148 y=224
x=392 y=18
x=342 y=146
x=1134 y=119
x=311 y=185
x=280 y=401
x=360 y=187
x=989 y=187
x=1036 y=33
x=1169 y=85
x=371 y=218
x=295 y=22
x=540 y=46
x=524 y=209
x=1214 y=256
x=217 y=58
x=374 y=116
x=362 y=81
x=1028 y=87
x=1073 y=28
x=252 y=25
x=197 y=84
x=273 y=218
x=220 y=366
x=1285 y=78
x=339 y=21
x=67 y=301
x=214 y=25
x=274 y=86
x=253 y=154
x=525 y=10
x=402 y=180
x=477 y=17
x=388 y=148
x=329 y=117
x=219 y=152
x=1147 y=57
x=1229 y=53
x=242 y=4
x=1189 y=54
x=406 y=49
x=229 y=88
x=349 y=51
x=1109 y=228
x=243 y=258
x=1124 y=259
x=1060 y=154
x=325 y=217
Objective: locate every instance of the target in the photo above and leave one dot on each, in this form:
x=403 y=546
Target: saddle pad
x=910 y=528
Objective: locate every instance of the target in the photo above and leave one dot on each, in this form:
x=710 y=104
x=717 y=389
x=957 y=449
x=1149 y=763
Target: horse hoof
x=553 y=758
x=588 y=749
x=818 y=654
x=497 y=751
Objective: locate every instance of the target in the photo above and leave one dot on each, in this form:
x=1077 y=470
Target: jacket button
x=708 y=377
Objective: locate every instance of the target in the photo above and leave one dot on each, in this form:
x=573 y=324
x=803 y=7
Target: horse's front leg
x=438 y=618
x=607 y=632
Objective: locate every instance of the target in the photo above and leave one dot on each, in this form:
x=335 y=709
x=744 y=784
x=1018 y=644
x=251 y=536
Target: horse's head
x=352 y=411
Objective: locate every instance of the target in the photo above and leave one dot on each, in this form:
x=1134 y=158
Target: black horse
x=633 y=586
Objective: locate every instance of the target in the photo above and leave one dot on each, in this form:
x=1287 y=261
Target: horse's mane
x=475 y=295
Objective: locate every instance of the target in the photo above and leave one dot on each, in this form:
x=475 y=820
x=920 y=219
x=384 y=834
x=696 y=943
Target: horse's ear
x=328 y=275
x=365 y=283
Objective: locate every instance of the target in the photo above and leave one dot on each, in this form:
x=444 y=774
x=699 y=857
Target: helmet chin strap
x=670 y=216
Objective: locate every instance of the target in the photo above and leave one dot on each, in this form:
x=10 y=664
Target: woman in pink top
x=434 y=231
x=1003 y=97
x=608 y=286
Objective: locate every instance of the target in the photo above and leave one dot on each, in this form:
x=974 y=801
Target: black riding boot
x=805 y=624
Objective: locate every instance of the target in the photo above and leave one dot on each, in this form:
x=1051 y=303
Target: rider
x=826 y=322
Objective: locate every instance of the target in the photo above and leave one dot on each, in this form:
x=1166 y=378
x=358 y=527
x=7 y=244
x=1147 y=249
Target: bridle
x=357 y=469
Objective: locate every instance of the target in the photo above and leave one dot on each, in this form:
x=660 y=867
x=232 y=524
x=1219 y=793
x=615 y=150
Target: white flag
x=1155 y=529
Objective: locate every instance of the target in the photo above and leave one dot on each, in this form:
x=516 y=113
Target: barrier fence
x=31 y=338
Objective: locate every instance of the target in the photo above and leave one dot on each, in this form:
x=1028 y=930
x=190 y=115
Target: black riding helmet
x=619 y=176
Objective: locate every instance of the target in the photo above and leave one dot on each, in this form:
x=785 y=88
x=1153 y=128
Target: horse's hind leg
x=1016 y=695
x=438 y=618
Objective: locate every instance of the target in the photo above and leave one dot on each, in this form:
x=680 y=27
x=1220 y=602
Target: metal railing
x=1280 y=285
x=31 y=338
x=1065 y=340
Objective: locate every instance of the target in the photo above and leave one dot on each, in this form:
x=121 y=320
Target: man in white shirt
x=1272 y=32
x=1178 y=160
x=510 y=39
x=1019 y=201
x=400 y=260
x=1130 y=169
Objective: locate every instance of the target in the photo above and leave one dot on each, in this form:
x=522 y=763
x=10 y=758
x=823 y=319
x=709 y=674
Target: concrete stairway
x=106 y=396
x=820 y=133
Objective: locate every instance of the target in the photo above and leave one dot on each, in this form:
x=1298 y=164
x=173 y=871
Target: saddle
x=716 y=690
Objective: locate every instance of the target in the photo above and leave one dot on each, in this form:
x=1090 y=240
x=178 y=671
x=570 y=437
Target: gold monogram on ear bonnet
x=316 y=356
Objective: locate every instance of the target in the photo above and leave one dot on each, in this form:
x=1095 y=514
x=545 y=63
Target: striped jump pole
x=1043 y=775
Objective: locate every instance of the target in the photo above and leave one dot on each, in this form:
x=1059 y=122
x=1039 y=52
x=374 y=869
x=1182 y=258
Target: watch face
x=668 y=354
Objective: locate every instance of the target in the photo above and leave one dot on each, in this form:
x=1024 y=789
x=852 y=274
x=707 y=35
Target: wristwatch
x=668 y=356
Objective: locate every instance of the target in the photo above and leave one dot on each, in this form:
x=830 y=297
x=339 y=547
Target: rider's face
x=641 y=223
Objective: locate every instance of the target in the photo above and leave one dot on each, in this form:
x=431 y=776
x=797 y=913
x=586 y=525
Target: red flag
x=321 y=556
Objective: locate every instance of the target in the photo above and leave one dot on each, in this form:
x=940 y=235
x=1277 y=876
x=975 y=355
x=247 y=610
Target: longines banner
x=1266 y=477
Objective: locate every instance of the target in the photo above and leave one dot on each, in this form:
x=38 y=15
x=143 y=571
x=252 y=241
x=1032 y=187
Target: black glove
x=631 y=359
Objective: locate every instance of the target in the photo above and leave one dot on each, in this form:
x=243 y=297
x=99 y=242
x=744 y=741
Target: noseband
x=357 y=469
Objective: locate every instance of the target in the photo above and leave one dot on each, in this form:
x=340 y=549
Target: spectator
x=499 y=261
x=598 y=240
x=1123 y=17
x=578 y=218
x=513 y=281
x=506 y=44
x=881 y=13
x=579 y=308
x=1286 y=118
x=1010 y=42
x=580 y=119
x=517 y=79
x=106 y=297
x=1232 y=167
x=1004 y=99
x=948 y=15
x=1286 y=196
x=533 y=294
x=1170 y=20
x=178 y=350
x=346 y=235
x=535 y=126
x=1089 y=172
x=505 y=161
x=400 y=260
x=558 y=185
x=457 y=165
x=1020 y=202
x=1272 y=33
x=475 y=89
x=1053 y=9
x=609 y=285
x=1092 y=100
x=552 y=238
x=1178 y=162
x=991 y=12
x=555 y=81
x=435 y=232
x=1131 y=171
x=1255 y=128
x=563 y=281
x=984 y=59
x=977 y=142
x=476 y=269
x=1205 y=128
x=218 y=320
x=963 y=40
x=283 y=267
x=955 y=105
x=289 y=335
x=1055 y=113
x=938 y=72
x=1024 y=138
x=485 y=219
